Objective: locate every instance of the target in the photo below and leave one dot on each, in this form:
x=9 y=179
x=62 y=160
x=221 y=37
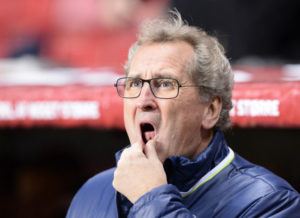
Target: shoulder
x=260 y=191
x=97 y=192
x=99 y=180
x=257 y=176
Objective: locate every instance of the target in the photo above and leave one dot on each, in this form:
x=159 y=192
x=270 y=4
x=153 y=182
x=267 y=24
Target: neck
x=207 y=136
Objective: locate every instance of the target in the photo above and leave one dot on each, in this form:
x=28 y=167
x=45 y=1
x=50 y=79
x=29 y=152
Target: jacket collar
x=184 y=173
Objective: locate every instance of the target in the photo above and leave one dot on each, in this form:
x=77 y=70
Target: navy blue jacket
x=218 y=183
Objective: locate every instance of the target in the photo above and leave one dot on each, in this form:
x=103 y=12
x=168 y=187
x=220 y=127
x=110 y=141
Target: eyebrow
x=162 y=76
x=156 y=75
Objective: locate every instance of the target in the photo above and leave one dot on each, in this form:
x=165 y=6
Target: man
x=177 y=97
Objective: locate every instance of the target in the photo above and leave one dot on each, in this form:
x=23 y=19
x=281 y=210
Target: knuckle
x=116 y=178
x=114 y=184
x=128 y=154
x=117 y=172
x=125 y=153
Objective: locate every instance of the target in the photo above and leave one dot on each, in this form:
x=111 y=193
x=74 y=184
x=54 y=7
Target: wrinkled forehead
x=162 y=60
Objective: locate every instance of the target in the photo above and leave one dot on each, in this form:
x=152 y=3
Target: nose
x=146 y=101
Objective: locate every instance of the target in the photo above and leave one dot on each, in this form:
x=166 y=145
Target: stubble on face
x=177 y=121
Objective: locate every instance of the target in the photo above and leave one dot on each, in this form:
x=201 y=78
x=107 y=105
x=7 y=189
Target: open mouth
x=148 y=132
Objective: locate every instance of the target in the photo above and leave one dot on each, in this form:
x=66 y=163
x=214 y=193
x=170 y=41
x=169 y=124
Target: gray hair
x=210 y=69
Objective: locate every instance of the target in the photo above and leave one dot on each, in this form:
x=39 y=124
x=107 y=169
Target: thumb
x=150 y=150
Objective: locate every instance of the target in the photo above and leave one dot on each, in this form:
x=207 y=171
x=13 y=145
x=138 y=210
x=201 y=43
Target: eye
x=166 y=83
x=136 y=83
x=133 y=83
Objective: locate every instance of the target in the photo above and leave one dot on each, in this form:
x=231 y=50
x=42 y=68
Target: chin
x=162 y=158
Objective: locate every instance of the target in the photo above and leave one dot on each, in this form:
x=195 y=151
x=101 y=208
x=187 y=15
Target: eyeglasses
x=130 y=87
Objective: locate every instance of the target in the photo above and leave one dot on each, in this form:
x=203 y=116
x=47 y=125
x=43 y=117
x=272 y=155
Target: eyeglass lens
x=161 y=87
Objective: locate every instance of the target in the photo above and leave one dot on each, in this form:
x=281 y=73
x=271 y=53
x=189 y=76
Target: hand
x=138 y=172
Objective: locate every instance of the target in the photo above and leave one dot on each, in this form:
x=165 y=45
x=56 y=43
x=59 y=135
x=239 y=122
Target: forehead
x=168 y=59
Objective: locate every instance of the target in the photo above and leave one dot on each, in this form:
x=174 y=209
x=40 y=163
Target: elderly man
x=177 y=97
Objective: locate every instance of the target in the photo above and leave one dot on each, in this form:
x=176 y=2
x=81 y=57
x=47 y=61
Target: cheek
x=129 y=119
x=178 y=119
x=189 y=119
x=129 y=108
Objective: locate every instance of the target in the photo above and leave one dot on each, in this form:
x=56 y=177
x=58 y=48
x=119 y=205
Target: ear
x=212 y=112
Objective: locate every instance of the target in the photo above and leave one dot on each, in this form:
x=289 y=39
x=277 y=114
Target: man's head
x=181 y=125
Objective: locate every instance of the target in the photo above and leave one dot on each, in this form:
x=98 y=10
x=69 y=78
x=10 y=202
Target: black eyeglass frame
x=149 y=82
